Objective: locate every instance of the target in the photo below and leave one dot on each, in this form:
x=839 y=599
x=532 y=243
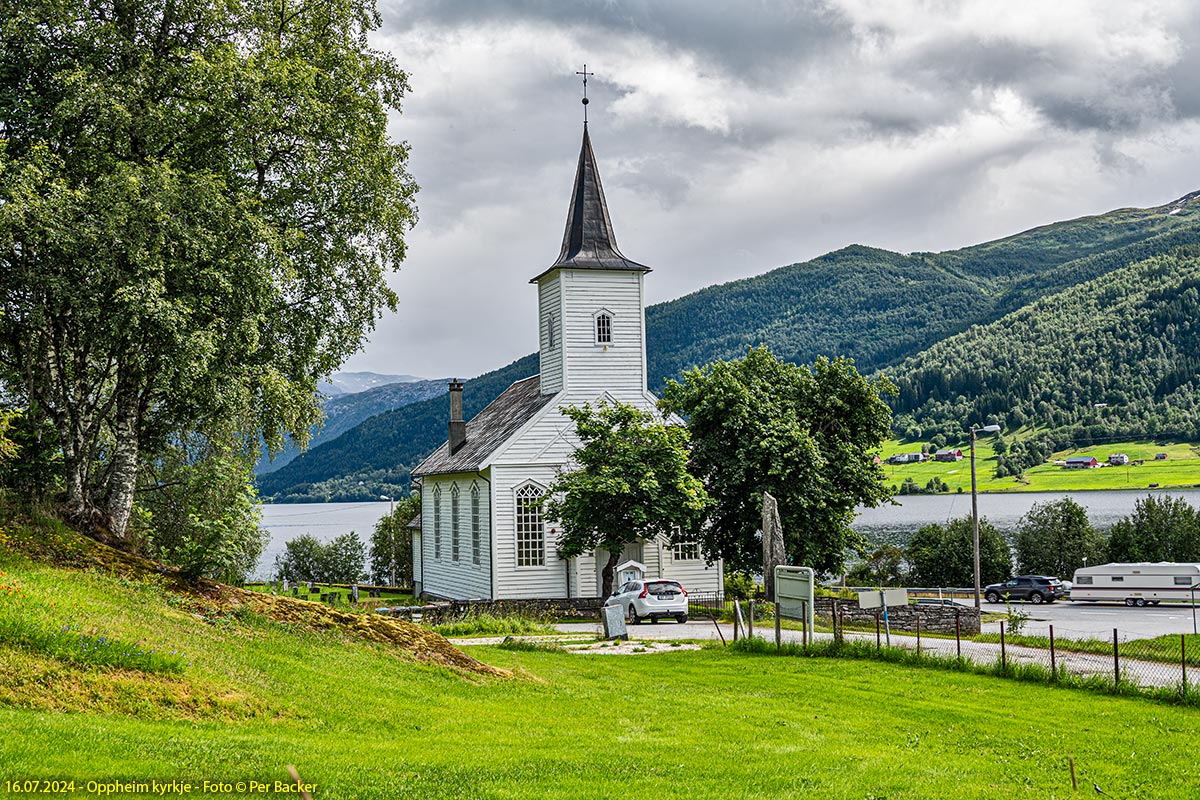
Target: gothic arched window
x=531 y=534
x=604 y=328
x=476 y=524
x=454 y=528
x=437 y=521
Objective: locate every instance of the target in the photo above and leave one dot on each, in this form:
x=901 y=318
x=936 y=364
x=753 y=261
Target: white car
x=651 y=599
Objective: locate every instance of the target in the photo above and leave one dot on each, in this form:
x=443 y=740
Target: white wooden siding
x=444 y=577
x=512 y=581
x=619 y=366
x=695 y=575
x=550 y=312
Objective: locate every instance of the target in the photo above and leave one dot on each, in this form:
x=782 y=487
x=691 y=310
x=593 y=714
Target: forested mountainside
x=344 y=411
x=876 y=306
x=1116 y=357
x=381 y=451
x=880 y=307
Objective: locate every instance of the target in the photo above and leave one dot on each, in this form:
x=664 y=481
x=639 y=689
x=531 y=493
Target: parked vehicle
x=652 y=600
x=1035 y=589
x=1137 y=584
x=942 y=601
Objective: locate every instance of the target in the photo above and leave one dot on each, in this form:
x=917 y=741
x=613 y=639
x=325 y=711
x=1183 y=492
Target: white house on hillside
x=482 y=533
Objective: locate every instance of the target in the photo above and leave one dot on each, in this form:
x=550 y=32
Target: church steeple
x=589 y=241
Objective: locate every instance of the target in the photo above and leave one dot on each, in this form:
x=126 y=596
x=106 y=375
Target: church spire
x=589 y=241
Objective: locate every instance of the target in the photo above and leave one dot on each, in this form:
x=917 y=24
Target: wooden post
x=1003 y=651
x=750 y=621
x=918 y=634
x=1116 y=662
x=1074 y=781
x=778 y=633
x=958 y=634
x=1053 y=663
x=877 y=644
x=804 y=634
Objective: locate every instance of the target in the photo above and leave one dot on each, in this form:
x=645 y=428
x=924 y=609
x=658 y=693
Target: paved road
x=1145 y=673
x=1097 y=620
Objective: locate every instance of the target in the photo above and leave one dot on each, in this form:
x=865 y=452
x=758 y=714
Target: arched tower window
x=603 y=327
x=531 y=535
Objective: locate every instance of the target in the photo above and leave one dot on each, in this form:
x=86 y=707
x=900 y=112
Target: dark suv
x=1034 y=588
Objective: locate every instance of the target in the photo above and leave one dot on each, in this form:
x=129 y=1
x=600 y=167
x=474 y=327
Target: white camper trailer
x=1137 y=584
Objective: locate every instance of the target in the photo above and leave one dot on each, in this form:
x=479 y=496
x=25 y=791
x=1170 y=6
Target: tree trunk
x=118 y=501
x=610 y=567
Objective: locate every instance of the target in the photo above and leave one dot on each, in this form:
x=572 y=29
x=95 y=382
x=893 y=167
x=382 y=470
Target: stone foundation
x=934 y=618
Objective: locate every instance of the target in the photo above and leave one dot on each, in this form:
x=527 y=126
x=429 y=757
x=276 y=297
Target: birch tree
x=199 y=204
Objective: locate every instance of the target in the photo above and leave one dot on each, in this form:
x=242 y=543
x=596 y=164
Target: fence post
x=1003 y=651
x=877 y=645
x=750 y=621
x=1183 y=659
x=918 y=634
x=804 y=623
x=1116 y=662
x=737 y=616
x=841 y=625
x=778 y=634
x=1053 y=663
x=958 y=634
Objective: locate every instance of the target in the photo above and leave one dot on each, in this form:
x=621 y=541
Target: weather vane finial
x=585 y=74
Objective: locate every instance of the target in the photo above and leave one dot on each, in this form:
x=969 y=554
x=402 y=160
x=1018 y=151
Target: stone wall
x=934 y=618
x=560 y=608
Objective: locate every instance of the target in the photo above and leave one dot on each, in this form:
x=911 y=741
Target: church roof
x=489 y=429
x=589 y=241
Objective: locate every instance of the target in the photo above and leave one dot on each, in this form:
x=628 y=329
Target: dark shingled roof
x=489 y=429
x=589 y=241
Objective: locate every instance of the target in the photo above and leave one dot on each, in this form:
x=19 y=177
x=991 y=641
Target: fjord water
x=895 y=523
x=888 y=523
x=325 y=521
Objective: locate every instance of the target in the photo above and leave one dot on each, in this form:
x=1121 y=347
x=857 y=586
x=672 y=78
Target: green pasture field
x=1181 y=468
x=361 y=720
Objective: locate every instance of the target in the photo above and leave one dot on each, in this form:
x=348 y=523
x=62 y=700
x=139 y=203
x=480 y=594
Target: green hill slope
x=873 y=305
x=364 y=719
x=1115 y=357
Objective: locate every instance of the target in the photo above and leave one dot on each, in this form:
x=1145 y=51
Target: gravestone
x=354 y=593
x=295 y=591
x=614 y=622
x=286 y=585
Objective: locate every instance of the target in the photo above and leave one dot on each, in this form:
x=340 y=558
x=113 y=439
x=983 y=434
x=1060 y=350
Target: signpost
x=794 y=594
x=882 y=598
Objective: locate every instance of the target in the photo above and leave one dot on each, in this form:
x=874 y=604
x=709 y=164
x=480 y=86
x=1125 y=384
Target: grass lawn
x=362 y=721
x=1181 y=468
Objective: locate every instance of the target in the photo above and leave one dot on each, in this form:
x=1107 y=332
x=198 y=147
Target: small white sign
x=883 y=597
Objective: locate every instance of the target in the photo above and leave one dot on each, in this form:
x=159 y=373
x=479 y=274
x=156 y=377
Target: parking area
x=1097 y=620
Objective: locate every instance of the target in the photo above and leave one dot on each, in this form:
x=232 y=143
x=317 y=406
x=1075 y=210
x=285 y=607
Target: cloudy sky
x=734 y=138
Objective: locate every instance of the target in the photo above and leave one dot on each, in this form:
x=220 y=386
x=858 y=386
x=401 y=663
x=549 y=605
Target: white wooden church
x=482 y=533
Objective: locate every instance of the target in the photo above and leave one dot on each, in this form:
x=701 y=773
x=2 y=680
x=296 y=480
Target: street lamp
x=975 y=506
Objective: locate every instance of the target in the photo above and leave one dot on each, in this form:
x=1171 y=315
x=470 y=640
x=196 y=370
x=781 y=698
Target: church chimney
x=457 y=428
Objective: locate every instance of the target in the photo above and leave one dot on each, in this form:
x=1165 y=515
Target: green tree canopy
x=391 y=560
x=631 y=483
x=1161 y=528
x=1056 y=538
x=806 y=435
x=198 y=206
x=944 y=555
x=305 y=558
x=886 y=566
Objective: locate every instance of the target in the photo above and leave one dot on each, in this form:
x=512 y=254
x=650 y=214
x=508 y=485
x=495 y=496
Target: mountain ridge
x=874 y=305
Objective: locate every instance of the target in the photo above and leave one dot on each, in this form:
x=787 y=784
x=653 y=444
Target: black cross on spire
x=585 y=74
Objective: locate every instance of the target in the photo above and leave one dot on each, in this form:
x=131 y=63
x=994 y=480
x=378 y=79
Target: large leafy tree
x=1161 y=528
x=198 y=206
x=631 y=482
x=804 y=434
x=391 y=544
x=944 y=555
x=1056 y=538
